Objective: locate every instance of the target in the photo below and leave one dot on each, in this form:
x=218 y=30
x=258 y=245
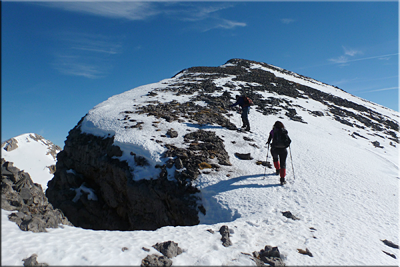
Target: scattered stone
x=390 y=254
x=146 y=249
x=204 y=165
x=390 y=244
x=172 y=133
x=32 y=261
x=244 y=156
x=305 y=252
x=52 y=169
x=254 y=145
x=317 y=113
x=377 y=144
x=124 y=248
x=169 y=249
x=354 y=135
x=289 y=215
x=248 y=139
x=210 y=230
x=224 y=231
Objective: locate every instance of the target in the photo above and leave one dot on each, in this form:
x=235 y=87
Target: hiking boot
x=283 y=181
x=247 y=129
x=244 y=126
x=277 y=172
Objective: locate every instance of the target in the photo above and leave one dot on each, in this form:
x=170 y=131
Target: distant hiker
x=280 y=141
x=244 y=102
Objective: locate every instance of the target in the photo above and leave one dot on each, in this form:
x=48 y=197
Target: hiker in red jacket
x=244 y=102
x=280 y=141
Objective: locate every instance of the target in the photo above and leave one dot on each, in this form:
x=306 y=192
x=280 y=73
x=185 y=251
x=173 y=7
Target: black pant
x=279 y=154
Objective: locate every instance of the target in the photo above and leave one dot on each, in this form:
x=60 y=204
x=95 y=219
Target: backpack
x=281 y=138
x=247 y=101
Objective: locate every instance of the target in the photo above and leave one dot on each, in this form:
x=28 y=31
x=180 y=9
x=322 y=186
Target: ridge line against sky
x=84 y=52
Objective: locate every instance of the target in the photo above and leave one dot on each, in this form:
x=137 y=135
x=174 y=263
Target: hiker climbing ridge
x=279 y=139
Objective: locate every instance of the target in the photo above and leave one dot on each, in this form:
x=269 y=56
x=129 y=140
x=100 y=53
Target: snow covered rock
x=32 y=261
x=169 y=249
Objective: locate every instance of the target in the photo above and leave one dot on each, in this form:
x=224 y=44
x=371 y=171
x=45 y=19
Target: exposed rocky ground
x=19 y=193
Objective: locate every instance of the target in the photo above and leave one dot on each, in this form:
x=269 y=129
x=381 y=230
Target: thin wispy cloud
x=205 y=13
x=383 y=89
x=351 y=52
x=348 y=53
x=130 y=10
x=340 y=60
x=91 y=43
x=343 y=59
x=204 y=17
x=86 y=55
x=287 y=21
x=77 y=66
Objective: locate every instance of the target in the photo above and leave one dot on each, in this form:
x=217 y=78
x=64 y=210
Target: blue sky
x=60 y=59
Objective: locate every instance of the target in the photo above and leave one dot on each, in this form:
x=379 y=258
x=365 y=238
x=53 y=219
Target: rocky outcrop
x=10 y=144
x=269 y=255
x=225 y=236
x=19 y=193
x=32 y=261
x=95 y=190
x=169 y=249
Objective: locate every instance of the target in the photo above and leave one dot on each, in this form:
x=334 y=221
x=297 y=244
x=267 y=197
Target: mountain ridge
x=172 y=144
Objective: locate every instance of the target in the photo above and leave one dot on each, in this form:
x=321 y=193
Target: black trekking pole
x=267 y=164
x=291 y=160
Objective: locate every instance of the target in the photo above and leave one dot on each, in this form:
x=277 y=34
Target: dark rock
x=317 y=113
x=390 y=244
x=32 y=261
x=377 y=144
x=269 y=255
x=169 y=249
x=289 y=215
x=224 y=231
x=243 y=156
x=390 y=254
x=172 y=133
x=155 y=260
x=109 y=197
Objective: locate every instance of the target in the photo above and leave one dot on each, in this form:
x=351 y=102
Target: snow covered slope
x=342 y=173
x=33 y=154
